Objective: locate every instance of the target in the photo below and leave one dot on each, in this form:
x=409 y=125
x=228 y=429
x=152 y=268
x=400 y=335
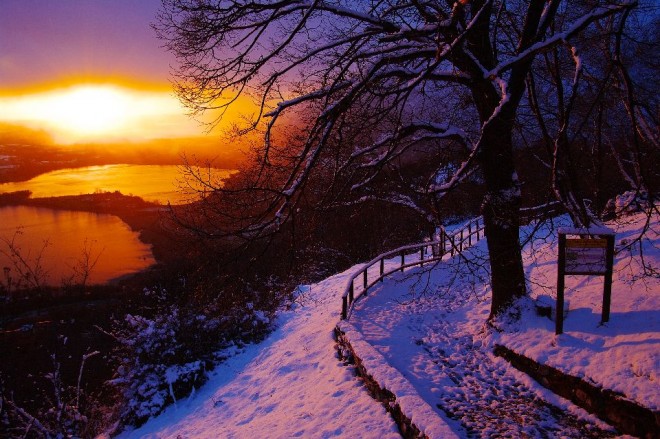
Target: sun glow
x=100 y=112
x=87 y=110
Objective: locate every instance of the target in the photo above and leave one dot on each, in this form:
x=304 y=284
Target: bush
x=64 y=415
x=164 y=357
x=627 y=203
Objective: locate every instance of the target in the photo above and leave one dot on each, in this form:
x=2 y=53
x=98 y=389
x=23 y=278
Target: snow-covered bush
x=64 y=415
x=149 y=345
x=165 y=356
x=627 y=203
x=156 y=364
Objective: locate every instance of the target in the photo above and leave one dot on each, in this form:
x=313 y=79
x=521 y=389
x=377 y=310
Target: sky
x=88 y=71
x=50 y=41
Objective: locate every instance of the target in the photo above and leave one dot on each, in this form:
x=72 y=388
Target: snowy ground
x=623 y=354
x=430 y=327
x=290 y=385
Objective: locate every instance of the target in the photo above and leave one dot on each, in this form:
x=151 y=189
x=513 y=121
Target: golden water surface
x=151 y=182
x=69 y=235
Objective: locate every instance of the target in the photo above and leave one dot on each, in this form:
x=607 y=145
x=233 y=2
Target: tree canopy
x=373 y=84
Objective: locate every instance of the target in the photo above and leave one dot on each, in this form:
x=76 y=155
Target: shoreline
x=142 y=217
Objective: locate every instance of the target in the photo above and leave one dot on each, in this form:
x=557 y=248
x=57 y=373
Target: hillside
x=425 y=332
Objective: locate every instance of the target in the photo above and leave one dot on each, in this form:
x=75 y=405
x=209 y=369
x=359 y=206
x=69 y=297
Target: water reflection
x=150 y=182
x=68 y=234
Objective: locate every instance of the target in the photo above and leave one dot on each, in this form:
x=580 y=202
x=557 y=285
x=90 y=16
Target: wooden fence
x=375 y=270
x=413 y=255
x=543 y=211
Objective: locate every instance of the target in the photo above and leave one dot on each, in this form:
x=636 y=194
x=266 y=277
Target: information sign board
x=586 y=256
x=590 y=252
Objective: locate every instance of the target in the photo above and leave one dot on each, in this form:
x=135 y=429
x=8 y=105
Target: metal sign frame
x=592 y=254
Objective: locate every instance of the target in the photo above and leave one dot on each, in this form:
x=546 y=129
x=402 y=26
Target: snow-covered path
x=429 y=324
x=290 y=385
x=438 y=345
x=487 y=396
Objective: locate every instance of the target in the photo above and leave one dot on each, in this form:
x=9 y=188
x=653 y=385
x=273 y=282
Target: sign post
x=587 y=252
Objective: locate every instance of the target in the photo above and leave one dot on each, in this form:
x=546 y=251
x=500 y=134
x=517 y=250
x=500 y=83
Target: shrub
x=164 y=357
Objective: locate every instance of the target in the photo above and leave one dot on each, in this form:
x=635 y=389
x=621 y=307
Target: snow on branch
x=395 y=199
x=440 y=131
x=575 y=28
x=465 y=170
x=317 y=94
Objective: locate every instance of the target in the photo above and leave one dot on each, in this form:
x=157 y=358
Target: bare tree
x=444 y=74
x=84 y=265
x=28 y=266
x=591 y=116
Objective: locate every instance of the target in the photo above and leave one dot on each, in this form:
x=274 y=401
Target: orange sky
x=89 y=71
x=99 y=112
x=104 y=112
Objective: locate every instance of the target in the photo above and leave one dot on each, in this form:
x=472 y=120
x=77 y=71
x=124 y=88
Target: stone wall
x=346 y=352
x=613 y=408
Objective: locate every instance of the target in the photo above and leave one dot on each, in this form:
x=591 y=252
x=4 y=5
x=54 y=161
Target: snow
x=423 y=335
x=290 y=385
x=430 y=325
x=591 y=231
x=623 y=354
x=407 y=396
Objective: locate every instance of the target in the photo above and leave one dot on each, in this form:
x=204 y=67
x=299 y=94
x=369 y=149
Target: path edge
x=414 y=416
x=612 y=407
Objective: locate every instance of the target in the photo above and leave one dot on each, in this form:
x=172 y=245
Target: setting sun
x=106 y=112
x=87 y=110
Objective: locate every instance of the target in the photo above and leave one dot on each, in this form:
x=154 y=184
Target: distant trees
x=367 y=89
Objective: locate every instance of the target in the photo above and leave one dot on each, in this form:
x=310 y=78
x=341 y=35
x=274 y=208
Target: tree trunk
x=500 y=210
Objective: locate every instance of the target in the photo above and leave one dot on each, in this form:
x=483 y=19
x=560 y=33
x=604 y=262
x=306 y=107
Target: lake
x=150 y=182
x=69 y=234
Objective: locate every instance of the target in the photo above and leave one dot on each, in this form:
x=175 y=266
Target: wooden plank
x=561 y=265
x=607 y=290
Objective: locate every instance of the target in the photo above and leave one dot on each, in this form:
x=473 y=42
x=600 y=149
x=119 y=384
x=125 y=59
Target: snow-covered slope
x=290 y=385
x=429 y=324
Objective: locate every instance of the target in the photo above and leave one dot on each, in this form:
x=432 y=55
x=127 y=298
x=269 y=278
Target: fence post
x=452 y=243
x=403 y=260
x=470 y=233
x=350 y=294
x=344 y=307
x=382 y=268
x=421 y=256
x=460 y=247
x=365 y=280
x=443 y=238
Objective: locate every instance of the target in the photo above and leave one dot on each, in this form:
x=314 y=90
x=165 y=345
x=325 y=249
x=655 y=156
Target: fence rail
x=376 y=270
x=548 y=210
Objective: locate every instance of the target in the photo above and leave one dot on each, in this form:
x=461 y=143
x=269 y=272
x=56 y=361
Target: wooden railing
x=447 y=243
x=548 y=210
x=387 y=263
